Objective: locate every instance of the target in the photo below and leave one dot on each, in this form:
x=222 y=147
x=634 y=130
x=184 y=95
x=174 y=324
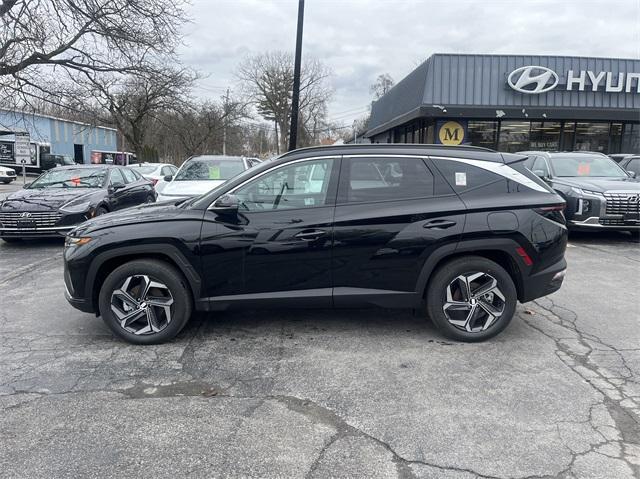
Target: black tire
x=436 y=297
x=150 y=199
x=101 y=210
x=157 y=271
x=12 y=240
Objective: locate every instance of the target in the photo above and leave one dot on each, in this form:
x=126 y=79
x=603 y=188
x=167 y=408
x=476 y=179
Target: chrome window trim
x=248 y=180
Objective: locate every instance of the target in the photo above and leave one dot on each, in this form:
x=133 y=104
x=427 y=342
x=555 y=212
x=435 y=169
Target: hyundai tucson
x=460 y=233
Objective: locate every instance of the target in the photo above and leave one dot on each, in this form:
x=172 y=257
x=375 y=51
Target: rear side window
x=128 y=175
x=385 y=179
x=464 y=177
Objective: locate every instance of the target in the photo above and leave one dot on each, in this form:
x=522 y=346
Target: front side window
x=634 y=165
x=299 y=185
x=387 y=179
x=71 y=178
x=586 y=165
x=540 y=167
x=203 y=169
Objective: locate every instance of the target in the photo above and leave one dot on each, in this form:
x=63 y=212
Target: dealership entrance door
x=78 y=154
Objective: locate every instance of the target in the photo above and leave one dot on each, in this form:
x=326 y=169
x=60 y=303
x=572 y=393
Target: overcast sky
x=360 y=39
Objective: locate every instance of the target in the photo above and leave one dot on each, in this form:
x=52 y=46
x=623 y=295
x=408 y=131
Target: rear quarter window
x=465 y=178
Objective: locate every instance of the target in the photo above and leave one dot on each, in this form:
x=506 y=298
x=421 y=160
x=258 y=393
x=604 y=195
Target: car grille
x=41 y=219
x=621 y=203
x=604 y=222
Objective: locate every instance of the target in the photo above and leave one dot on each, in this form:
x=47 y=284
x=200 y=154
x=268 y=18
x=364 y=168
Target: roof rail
x=416 y=146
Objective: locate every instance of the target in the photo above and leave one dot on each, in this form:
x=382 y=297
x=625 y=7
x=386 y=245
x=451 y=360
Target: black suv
x=464 y=232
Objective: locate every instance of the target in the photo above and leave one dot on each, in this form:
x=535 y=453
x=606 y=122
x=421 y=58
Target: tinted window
x=464 y=177
x=634 y=165
x=128 y=175
x=385 y=179
x=300 y=185
x=116 y=177
x=540 y=167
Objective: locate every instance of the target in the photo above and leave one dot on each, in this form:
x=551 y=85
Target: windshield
x=145 y=170
x=71 y=178
x=586 y=165
x=210 y=169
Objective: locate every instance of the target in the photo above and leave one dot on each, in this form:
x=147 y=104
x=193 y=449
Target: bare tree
x=268 y=82
x=44 y=43
x=382 y=85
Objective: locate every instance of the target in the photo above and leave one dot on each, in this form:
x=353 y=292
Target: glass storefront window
x=592 y=136
x=568 y=133
x=482 y=133
x=631 y=138
x=616 y=138
x=545 y=135
x=514 y=136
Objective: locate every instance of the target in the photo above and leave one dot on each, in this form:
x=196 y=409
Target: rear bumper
x=544 y=282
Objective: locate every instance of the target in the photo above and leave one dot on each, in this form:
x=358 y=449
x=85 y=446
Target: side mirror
x=632 y=174
x=27 y=185
x=226 y=205
x=541 y=174
x=115 y=187
x=168 y=178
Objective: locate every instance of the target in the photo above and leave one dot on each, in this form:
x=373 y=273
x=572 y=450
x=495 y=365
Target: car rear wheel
x=471 y=299
x=145 y=302
x=101 y=210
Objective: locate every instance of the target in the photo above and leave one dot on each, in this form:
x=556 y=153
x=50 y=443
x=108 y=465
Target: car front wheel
x=145 y=302
x=471 y=299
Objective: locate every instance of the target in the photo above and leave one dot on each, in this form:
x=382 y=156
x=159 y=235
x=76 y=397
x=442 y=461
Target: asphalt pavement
x=349 y=393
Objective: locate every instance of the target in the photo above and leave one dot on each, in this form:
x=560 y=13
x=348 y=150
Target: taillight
x=154 y=181
x=552 y=212
x=525 y=257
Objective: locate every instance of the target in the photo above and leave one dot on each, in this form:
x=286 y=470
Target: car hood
x=601 y=185
x=138 y=214
x=47 y=199
x=190 y=188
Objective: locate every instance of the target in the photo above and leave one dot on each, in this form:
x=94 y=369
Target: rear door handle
x=310 y=235
x=439 y=224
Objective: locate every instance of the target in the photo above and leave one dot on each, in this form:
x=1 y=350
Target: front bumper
x=47 y=232
x=606 y=223
x=7 y=177
x=544 y=282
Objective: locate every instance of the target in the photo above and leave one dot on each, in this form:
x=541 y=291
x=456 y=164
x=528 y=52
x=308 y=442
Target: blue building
x=79 y=141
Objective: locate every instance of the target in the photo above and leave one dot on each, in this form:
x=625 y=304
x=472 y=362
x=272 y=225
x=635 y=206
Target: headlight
x=582 y=192
x=78 y=208
x=70 y=241
x=577 y=191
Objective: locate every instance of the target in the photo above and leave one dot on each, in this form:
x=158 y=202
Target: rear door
x=392 y=212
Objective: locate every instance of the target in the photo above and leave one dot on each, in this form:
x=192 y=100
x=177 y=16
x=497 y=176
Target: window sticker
x=214 y=172
x=461 y=179
x=309 y=201
x=584 y=169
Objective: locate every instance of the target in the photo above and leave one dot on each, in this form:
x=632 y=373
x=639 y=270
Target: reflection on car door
x=118 y=199
x=136 y=188
x=281 y=239
x=391 y=214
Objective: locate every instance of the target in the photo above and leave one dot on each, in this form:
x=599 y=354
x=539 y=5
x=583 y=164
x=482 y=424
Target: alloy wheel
x=473 y=302
x=141 y=305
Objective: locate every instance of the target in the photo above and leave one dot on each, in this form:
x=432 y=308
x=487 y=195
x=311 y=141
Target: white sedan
x=155 y=171
x=200 y=174
x=7 y=175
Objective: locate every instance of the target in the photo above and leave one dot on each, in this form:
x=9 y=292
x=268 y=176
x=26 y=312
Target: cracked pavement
x=362 y=393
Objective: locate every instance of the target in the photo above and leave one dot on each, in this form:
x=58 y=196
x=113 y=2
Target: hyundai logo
x=26 y=214
x=635 y=199
x=532 y=79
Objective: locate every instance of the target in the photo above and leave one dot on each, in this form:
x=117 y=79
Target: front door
x=391 y=214
x=279 y=244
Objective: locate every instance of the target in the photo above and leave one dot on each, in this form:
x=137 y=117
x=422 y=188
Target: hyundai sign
x=535 y=79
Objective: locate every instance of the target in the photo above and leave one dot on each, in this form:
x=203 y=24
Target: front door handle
x=439 y=224
x=310 y=235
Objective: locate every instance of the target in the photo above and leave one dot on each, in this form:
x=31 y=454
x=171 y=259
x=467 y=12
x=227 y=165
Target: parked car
x=200 y=174
x=7 y=175
x=618 y=157
x=49 y=161
x=599 y=193
x=155 y=171
x=462 y=232
x=632 y=164
x=65 y=196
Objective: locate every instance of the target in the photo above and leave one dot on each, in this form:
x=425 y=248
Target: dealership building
x=514 y=103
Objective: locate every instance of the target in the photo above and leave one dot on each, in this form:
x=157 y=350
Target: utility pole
x=224 y=124
x=295 y=97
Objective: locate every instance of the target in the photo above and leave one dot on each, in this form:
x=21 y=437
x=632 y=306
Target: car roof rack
x=365 y=146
